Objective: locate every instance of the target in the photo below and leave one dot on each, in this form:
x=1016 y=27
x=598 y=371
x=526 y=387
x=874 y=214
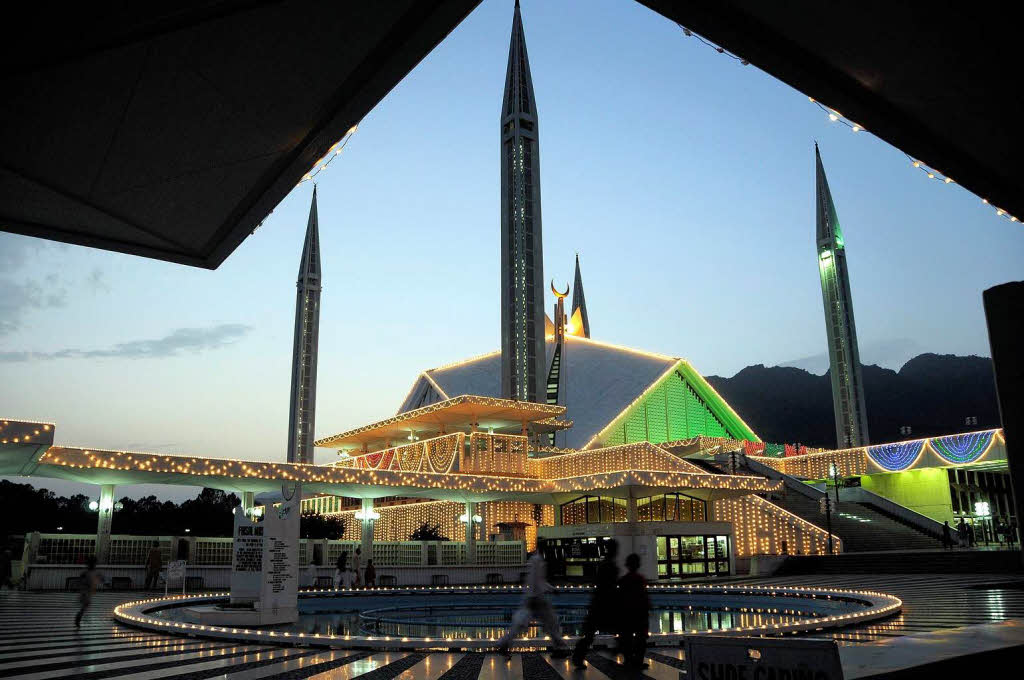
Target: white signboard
x=175 y=573
x=722 y=656
x=246 y=559
x=279 y=594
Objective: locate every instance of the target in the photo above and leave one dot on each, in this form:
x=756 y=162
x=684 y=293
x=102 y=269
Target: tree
x=315 y=525
x=428 y=532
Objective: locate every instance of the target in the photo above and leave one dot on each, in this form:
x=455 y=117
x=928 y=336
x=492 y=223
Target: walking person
x=371 y=575
x=357 y=560
x=947 y=536
x=341 y=571
x=970 y=535
x=603 y=603
x=961 y=530
x=153 y=564
x=535 y=605
x=635 y=609
x=89 y=581
x=6 y=568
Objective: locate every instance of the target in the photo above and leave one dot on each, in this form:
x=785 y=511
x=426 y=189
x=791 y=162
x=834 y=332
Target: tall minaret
x=843 y=355
x=304 y=348
x=522 y=263
x=579 y=303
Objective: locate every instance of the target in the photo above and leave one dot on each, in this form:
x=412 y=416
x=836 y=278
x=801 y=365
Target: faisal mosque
x=559 y=441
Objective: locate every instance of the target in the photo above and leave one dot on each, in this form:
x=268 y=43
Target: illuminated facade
x=523 y=369
x=844 y=357
x=302 y=404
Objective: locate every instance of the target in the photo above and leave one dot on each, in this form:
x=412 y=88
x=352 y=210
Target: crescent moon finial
x=556 y=291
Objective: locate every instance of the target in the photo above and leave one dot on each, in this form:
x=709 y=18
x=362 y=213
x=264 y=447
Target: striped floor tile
x=38 y=640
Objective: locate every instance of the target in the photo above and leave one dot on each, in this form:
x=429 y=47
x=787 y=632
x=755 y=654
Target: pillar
x=1004 y=307
x=366 y=537
x=248 y=502
x=104 y=520
x=470 y=538
x=484 y=531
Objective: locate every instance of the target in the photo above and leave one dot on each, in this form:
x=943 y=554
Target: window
x=671 y=507
x=594 y=510
x=687 y=555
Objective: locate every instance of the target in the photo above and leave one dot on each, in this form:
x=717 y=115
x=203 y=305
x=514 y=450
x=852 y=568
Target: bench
x=439 y=579
x=388 y=581
x=120 y=583
x=494 y=579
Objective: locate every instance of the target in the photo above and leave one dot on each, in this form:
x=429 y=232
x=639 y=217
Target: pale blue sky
x=684 y=179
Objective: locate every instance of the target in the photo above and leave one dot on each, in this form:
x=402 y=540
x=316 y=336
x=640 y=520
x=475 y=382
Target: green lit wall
x=923 y=490
x=674 y=410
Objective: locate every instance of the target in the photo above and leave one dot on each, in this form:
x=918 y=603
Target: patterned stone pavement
x=38 y=640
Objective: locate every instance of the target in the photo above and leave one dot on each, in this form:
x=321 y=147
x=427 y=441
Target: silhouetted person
x=970 y=535
x=947 y=536
x=371 y=575
x=89 y=581
x=153 y=564
x=535 y=605
x=961 y=530
x=341 y=571
x=634 y=608
x=5 y=569
x=601 y=612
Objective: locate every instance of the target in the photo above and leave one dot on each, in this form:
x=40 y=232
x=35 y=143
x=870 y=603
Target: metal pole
x=828 y=523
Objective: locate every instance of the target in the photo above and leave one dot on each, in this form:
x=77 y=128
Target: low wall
x=54 y=576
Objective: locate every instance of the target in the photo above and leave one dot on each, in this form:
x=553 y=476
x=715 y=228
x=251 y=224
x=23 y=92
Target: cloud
x=18 y=298
x=178 y=341
x=97 y=280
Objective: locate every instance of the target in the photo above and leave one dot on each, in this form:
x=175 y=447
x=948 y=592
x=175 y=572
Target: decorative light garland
x=961 y=449
x=896 y=456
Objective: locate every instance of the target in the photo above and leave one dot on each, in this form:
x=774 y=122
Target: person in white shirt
x=535 y=605
x=357 y=581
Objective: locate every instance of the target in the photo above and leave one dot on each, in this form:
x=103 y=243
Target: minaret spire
x=304 y=347
x=522 y=260
x=844 y=357
x=579 y=303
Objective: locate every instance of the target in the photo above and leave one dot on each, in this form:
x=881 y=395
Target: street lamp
x=981 y=509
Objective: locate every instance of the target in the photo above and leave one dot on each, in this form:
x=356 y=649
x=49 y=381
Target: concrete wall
x=923 y=490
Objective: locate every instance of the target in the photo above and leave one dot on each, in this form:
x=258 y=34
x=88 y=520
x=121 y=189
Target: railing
x=639 y=456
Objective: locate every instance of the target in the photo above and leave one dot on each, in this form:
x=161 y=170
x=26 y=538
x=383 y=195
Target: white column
x=104 y=520
x=484 y=532
x=366 y=537
x=470 y=539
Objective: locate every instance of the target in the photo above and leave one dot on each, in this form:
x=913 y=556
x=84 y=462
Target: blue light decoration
x=960 y=449
x=896 y=457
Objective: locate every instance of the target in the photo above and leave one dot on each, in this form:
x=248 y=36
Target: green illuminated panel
x=678 y=409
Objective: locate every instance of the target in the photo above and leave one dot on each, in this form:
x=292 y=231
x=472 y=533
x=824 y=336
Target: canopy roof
x=460 y=413
x=172 y=129
x=96 y=466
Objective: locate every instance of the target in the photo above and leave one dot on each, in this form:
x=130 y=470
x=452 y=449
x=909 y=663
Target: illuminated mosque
x=559 y=441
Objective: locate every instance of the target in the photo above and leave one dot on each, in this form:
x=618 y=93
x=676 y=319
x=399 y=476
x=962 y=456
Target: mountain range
x=933 y=394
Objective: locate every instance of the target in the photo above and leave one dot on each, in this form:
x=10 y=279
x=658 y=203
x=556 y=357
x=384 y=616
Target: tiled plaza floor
x=38 y=640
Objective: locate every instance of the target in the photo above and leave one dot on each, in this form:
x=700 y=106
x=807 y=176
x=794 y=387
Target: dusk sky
x=684 y=179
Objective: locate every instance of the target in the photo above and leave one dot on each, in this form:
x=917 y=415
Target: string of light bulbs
x=929 y=171
x=836 y=117
x=717 y=48
x=329 y=157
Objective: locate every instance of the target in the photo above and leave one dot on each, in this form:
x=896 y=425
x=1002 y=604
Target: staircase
x=924 y=562
x=861 y=527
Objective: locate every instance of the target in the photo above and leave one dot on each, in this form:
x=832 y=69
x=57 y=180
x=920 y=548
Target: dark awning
x=172 y=129
x=937 y=80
